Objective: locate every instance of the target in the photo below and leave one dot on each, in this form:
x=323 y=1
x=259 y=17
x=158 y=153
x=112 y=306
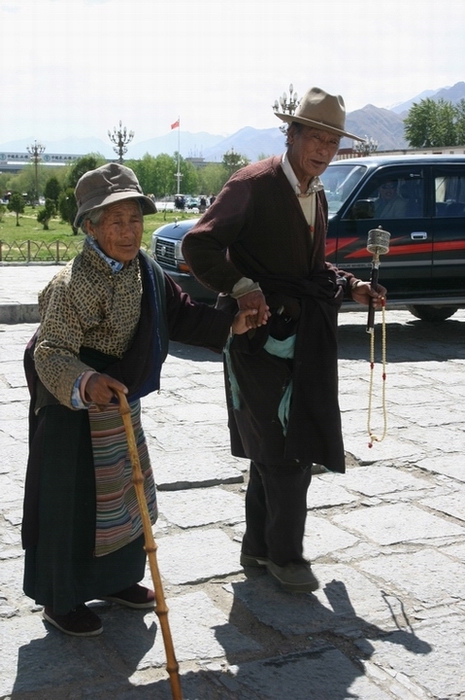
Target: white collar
x=315 y=183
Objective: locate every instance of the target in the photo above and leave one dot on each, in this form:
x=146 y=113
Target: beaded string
x=372 y=436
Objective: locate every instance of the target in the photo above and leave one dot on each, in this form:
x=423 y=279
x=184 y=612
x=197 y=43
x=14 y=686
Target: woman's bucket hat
x=106 y=185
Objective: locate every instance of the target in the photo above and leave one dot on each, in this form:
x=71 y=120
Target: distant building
x=13 y=162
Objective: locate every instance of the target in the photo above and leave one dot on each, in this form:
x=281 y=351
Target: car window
x=391 y=194
x=339 y=180
x=449 y=192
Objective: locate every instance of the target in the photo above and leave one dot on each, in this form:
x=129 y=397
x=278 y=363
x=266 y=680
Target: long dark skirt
x=61 y=570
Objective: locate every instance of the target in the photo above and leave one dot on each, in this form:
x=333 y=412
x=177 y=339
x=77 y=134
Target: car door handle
x=418 y=235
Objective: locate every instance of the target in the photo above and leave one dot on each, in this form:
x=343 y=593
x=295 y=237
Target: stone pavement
x=387 y=540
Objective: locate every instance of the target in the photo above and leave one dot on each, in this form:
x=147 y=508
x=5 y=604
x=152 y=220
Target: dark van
x=420 y=200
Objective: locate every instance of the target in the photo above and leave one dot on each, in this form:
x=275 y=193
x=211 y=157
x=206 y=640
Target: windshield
x=339 y=180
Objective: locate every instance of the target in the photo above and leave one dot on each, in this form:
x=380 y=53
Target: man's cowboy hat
x=108 y=184
x=323 y=111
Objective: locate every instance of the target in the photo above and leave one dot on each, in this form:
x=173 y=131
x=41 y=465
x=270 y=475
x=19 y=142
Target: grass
x=29 y=242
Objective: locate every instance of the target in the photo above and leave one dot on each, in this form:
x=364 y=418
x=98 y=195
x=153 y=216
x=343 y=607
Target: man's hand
x=255 y=300
x=101 y=389
x=362 y=293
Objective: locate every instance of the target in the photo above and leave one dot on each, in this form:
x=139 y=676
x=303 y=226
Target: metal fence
x=32 y=251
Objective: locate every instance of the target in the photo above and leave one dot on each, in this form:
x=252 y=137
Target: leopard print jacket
x=85 y=304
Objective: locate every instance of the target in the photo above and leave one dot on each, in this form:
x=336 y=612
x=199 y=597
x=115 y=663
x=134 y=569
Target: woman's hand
x=362 y=293
x=244 y=321
x=255 y=300
x=100 y=389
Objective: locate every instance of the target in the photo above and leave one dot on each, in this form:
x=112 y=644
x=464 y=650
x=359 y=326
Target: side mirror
x=362 y=209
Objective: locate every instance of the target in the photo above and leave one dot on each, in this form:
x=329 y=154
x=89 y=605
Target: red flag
x=175 y=124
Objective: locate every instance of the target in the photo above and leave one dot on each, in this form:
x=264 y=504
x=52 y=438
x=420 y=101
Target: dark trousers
x=275 y=512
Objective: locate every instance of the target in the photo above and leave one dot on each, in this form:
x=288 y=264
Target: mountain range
x=384 y=125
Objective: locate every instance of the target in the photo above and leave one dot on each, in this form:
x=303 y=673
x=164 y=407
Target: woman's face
x=119 y=231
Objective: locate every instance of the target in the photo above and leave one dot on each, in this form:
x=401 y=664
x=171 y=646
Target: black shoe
x=80 y=622
x=249 y=560
x=135 y=596
x=295 y=577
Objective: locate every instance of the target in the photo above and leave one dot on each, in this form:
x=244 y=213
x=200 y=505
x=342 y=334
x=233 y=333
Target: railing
x=32 y=251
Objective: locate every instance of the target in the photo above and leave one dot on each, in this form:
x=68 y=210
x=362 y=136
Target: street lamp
x=120 y=138
x=35 y=152
x=287 y=106
x=366 y=147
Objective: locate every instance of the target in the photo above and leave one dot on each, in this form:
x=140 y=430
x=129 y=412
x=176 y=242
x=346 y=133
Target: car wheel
x=432 y=313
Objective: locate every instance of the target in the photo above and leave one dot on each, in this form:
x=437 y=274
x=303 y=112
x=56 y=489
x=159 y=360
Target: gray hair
x=95 y=216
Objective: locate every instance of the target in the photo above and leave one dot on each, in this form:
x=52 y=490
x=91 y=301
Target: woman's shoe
x=79 y=622
x=136 y=596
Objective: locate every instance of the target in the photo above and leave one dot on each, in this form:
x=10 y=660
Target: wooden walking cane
x=151 y=548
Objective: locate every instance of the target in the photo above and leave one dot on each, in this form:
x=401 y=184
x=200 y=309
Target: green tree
x=165 y=182
x=431 y=123
x=67 y=202
x=233 y=161
x=83 y=165
x=17 y=205
x=212 y=178
x=68 y=208
x=46 y=213
x=460 y=122
x=190 y=177
x=52 y=189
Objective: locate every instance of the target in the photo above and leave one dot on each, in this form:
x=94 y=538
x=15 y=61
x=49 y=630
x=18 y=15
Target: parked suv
x=420 y=200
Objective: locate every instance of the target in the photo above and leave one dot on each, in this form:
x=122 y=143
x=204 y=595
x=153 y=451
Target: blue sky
x=77 y=67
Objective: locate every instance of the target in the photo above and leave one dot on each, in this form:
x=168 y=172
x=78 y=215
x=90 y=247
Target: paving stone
x=329 y=490
x=197 y=556
x=196 y=507
x=199 y=630
x=453 y=503
x=307 y=676
x=197 y=413
x=449 y=464
x=177 y=470
x=429 y=576
x=322 y=537
x=31 y=663
x=188 y=438
x=346 y=599
x=383 y=480
x=389 y=524
x=438 y=668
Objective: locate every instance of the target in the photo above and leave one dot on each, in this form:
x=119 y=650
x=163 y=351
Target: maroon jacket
x=256 y=228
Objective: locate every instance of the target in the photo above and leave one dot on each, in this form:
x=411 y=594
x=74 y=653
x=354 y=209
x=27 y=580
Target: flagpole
x=178 y=174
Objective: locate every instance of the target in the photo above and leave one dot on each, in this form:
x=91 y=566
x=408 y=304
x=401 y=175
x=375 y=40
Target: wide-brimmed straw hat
x=108 y=184
x=319 y=109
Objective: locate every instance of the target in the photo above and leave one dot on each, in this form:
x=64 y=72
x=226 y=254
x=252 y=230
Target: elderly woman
x=106 y=319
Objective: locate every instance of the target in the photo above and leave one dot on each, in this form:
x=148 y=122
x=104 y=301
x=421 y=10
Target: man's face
x=388 y=190
x=310 y=151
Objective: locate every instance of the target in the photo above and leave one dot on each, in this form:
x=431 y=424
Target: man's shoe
x=80 y=622
x=249 y=560
x=295 y=577
x=135 y=596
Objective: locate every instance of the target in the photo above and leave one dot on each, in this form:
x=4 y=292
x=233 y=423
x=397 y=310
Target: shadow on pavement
x=414 y=340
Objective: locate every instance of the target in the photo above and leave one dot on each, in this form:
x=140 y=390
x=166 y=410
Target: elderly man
x=106 y=319
x=262 y=245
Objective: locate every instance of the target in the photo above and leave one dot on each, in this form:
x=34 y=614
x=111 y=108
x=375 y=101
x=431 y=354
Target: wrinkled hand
x=255 y=300
x=244 y=321
x=101 y=389
x=363 y=292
